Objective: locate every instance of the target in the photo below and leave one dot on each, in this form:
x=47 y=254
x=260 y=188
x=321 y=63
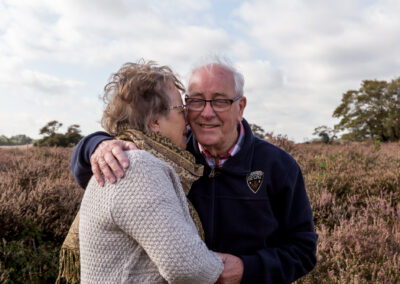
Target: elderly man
x=251 y=199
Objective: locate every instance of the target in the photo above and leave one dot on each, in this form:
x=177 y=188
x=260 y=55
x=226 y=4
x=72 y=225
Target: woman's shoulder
x=144 y=168
x=141 y=156
x=146 y=177
x=143 y=160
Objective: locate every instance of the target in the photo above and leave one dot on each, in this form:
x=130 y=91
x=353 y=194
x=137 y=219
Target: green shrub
x=52 y=138
x=28 y=258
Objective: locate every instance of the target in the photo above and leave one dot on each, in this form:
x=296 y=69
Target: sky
x=298 y=57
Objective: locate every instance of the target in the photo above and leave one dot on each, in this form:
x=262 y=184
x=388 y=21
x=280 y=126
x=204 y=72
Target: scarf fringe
x=69 y=269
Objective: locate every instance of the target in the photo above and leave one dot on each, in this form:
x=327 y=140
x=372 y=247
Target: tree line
x=370 y=113
x=20 y=139
x=51 y=136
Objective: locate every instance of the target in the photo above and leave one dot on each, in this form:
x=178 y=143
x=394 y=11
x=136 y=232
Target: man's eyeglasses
x=218 y=105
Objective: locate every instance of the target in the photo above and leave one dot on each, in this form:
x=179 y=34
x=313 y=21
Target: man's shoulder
x=265 y=151
x=273 y=151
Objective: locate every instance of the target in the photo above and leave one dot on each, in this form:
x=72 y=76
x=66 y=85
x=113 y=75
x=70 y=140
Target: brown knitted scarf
x=182 y=162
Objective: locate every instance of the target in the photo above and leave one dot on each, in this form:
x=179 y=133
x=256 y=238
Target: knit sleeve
x=146 y=206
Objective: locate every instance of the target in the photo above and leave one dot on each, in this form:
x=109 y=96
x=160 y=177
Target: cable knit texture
x=140 y=230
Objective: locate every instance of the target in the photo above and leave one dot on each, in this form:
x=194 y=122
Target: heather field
x=354 y=190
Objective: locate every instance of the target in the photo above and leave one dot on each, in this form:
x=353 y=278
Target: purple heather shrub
x=354 y=190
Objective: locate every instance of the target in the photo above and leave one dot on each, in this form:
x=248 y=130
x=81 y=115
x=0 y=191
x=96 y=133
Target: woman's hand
x=109 y=160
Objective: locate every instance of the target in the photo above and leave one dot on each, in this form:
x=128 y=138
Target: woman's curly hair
x=136 y=94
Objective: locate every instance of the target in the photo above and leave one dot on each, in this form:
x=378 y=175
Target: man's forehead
x=211 y=77
x=212 y=70
x=199 y=94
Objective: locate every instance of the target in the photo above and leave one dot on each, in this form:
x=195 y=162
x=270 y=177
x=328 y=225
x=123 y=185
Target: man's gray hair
x=210 y=61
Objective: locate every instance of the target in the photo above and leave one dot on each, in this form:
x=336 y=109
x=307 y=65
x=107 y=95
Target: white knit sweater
x=139 y=230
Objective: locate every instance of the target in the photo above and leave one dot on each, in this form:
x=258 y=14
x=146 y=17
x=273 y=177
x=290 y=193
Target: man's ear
x=154 y=126
x=242 y=105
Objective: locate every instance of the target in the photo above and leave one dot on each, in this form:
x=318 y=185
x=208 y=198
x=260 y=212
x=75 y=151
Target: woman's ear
x=154 y=126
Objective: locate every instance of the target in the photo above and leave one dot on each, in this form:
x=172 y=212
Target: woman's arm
x=150 y=207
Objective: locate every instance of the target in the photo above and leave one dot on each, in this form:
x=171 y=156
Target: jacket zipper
x=212 y=215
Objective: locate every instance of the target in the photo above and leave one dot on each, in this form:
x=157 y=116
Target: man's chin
x=206 y=136
x=207 y=141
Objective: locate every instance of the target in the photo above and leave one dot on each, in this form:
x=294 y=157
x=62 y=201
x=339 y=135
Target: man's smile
x=208 y=125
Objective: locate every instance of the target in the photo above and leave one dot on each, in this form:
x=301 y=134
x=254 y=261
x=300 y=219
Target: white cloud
x=326 y=37
x=27 y=113
x=47 y=83
x=322 y=49
x=59 y=36
x=17 y=78
x=298 y=57
x=260 y=75
x=100 y=32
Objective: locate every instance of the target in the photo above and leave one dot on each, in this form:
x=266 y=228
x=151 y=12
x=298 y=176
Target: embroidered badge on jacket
x=254 y=180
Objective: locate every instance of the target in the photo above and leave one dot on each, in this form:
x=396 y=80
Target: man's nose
x=208 y=111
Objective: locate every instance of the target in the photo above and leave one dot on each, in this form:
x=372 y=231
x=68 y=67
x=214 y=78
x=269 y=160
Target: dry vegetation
x=38 y=201
x=354 y=190
x=355 y=195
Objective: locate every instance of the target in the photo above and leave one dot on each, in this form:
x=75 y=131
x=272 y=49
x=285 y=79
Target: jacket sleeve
x=80 y=160
x=293 y=253
x=149 y=208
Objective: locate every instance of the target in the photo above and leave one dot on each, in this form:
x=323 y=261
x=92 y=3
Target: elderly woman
x=142 y=229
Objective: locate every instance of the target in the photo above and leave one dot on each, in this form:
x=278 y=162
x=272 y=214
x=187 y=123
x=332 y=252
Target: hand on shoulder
x=110 y=160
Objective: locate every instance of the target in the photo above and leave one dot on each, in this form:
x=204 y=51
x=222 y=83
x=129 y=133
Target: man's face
x=216 y=131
